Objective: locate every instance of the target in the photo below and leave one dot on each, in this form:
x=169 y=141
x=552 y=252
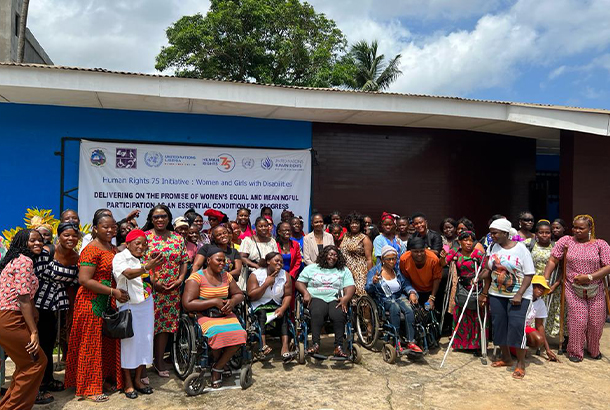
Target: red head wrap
x=215 y=214
x=135 y=234
x=385 y=216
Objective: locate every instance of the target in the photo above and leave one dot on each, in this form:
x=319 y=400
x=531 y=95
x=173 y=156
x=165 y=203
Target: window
x=17 y=22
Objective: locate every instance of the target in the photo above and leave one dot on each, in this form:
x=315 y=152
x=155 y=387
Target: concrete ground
x=463 y=383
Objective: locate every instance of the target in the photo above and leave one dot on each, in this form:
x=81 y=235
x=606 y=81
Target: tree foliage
x=268 y=41
x=372 y=72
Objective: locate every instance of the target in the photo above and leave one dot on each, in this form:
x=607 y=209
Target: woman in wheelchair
x=321 y=284
x=386 y=285
x=270 y=290
x=213 y=294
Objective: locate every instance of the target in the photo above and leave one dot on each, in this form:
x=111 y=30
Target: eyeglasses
x=155 y=217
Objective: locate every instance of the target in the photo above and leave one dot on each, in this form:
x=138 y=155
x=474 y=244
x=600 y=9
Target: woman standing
x=193 y=218
x=222 y=240
x=56 y=270
x=508 y=278
x=449 y=234
x=213 y=294
x=18 y=332
x=289 y=250
x=587 y=262
x=134 y=278
x=334 y=218
x=267 y=213
x=94 y=361
x=243 y=220
x=167 y=279
x=558 y=229
x=235 y=235
x=541 y=246
x=526 y=225
x=387 y=236
x=336 y=231
x=315 y=241
x=296 y=231
x=358 y=251
x=466 y=258
x=254 y=248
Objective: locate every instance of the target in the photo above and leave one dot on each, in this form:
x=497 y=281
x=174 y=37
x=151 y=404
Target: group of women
x=171 y=265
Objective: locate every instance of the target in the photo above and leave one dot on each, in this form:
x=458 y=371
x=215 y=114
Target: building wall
x=34 y=53
x=31 y=137
x=405 y=170
x=584 y=179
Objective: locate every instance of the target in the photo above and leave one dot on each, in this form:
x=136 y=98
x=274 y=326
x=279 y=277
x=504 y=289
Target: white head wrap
x=501 y=225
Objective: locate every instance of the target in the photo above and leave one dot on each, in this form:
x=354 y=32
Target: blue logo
x=267 y=163
x=247 y=163
x=153 y=159
x=98 y=157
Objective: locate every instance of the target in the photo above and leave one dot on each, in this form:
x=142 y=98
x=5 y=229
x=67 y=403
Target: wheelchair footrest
x=338 y=359
x=319 y=356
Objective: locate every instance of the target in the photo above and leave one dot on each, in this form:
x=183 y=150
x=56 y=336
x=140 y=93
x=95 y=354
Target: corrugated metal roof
x=337 y=90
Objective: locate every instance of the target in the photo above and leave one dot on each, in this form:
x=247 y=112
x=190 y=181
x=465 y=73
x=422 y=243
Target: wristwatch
x=590 y=277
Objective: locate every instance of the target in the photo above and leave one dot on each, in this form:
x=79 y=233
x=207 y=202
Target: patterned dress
x=586 y=318
x=352 y=248
x=222 y=331
x=468 y=334
x=92 y=357
x=167 y=305
x=540 y=256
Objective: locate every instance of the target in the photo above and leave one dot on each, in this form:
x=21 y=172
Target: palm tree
x=372 y=73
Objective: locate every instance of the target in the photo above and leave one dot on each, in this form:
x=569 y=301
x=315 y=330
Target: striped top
x=54 y=278
x=209 y=291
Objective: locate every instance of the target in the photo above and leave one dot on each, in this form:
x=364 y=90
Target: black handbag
x=461 y=296
x=116 y=324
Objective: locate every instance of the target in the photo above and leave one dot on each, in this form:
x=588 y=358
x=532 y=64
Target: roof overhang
x=94 y=88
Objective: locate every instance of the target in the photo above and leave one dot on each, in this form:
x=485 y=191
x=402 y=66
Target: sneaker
x=314 y=349
x=339 y=352
x=414 y=348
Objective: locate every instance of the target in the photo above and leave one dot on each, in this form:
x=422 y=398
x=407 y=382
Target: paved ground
x=463 y=383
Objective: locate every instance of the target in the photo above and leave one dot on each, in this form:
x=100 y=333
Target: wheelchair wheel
x=184 y=348
x=389 y=353
x=194 y=384
x=245 y=377
x=367 y=318
x=356 y=353
x=301 y=353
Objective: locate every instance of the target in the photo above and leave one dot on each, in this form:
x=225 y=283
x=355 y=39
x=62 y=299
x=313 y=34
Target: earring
x=589 y=235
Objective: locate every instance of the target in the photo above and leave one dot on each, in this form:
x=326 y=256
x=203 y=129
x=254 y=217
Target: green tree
x=372 y=72
x=268 y=41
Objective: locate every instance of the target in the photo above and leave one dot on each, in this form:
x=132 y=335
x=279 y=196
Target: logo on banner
x=267 y=163
x=247 y=163
x=153 y=159
x=226 y=163
x=127 y=158
x=98 y=157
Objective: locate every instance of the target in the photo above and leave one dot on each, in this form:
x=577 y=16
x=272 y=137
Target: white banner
x=123 y=176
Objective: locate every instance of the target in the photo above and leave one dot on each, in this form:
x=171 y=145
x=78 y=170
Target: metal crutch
x=448 y=287
x=482 y=324
x=457 y=326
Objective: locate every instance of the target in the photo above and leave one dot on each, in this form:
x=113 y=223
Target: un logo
x=153 y=159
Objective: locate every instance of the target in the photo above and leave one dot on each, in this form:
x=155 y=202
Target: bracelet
x=432 y=297
x=111 y=293
x=484 y=294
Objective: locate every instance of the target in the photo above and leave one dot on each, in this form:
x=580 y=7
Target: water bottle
x=427 y=305
x=386 y=289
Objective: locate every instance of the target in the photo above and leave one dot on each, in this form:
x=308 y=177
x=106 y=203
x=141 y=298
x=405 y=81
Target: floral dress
x=92 y=357
x=167 y=305
x=352 y=248
x=468 y=334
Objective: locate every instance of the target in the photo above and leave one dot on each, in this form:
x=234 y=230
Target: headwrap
x=467 y=234
x=64 y=226
x=134 y=234
x=45 y=226
x=501 y=225
x=387 y=249
x=212 y=250
x=213 y=213
x=416 y=243
x=385 y=216
x=180 y=221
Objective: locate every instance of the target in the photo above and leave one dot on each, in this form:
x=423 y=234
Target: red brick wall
x=404 y=170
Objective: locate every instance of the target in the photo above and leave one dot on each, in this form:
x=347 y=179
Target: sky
x=536 y=51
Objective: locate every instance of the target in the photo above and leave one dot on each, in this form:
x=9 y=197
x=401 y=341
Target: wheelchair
x=427 y=329
x=303 y=323
x=193 y=359
x=254 y=343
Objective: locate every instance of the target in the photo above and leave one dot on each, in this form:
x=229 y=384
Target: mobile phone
x=447 y=248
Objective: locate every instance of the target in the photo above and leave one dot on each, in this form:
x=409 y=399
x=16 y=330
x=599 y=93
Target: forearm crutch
x=457 y=326
x=448 y=288
x=562 y=303
x=482 y=325
x=605 y=280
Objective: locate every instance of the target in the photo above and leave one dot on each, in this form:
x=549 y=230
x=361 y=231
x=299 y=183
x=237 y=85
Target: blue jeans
x=394 y=307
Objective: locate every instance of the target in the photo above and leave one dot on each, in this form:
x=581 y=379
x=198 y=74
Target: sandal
x=266 y=350
x=161 y=373
x=598 y=357
x=286 y=357
x=131 y=395
x=519 y=373
x=100 y=398
x=501 y=363
x=44 y=397
x=55 y=386
x=216 y=384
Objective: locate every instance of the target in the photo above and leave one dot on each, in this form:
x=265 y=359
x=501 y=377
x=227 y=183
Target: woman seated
x=213 y=293
x=327 y=287
x=385 y=283
x=270 y=293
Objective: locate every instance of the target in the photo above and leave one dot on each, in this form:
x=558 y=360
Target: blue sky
x=538 y=51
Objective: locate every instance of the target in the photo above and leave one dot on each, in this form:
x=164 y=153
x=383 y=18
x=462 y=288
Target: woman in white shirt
x=270 y=292
x=130 y=275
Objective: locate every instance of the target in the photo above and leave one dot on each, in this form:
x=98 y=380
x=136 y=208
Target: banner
x=124 y=176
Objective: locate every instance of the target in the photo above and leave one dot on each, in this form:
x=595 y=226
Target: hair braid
x=589 y=220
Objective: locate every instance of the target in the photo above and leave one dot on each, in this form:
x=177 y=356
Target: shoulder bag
x=116 y=324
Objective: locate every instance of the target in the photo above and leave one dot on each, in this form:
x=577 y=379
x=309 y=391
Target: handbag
x=586 y=292
x=116 y=324
x=461 y=296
